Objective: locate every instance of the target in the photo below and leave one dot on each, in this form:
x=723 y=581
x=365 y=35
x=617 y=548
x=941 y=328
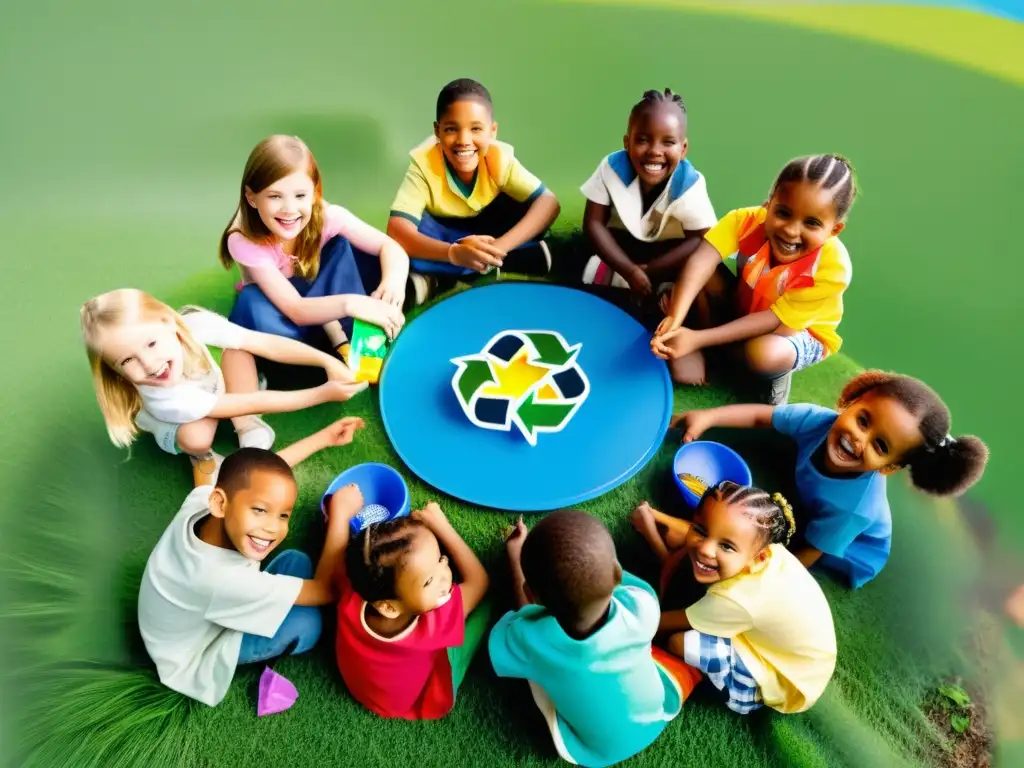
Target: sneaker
x=256 y=434
x=423 y=287
x=262 y=381
x=777 y=389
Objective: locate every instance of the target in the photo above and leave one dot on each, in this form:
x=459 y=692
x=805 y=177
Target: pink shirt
x=337 y=221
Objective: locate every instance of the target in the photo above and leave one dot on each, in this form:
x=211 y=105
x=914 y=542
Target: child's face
x=465 y=132
x=256 y=518
x=874 y=433
x=722 y=541
x=801 y=217
x=146 y=353
x=656 y=142
x=424 y=579
x=286 y=205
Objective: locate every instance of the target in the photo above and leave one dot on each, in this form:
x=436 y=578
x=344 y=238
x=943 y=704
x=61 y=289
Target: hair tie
x=947 y=440
x=787 y=512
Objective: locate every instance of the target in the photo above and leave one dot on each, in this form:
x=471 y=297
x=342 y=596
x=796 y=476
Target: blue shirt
x=849 y=518
x=612 y=700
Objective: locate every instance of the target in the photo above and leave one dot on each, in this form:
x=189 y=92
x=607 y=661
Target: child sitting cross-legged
x=204 y=604
x=581 y=636
x=406 y=630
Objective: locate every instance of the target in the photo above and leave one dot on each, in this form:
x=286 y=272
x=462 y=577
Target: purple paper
x=277 y=693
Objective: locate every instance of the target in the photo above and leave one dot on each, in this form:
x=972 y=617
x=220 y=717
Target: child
x=307 y=264
x=204 y=605
x=467 y=205
x=406 y=631
x=582 y=638
x=763 y=632
x=647 y=206
x=152 y=371
x=792 y=272
x=885 y=423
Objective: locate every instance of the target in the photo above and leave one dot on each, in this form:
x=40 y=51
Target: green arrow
x=476 y=374
x=534 y=414
x=550 y=349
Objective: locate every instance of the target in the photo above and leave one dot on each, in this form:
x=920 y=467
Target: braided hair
x=833 y=172
x=943 y=465
x=654 y=98
x=770 y=512
x=374 y=556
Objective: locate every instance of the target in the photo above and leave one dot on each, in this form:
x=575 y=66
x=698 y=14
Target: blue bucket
x=385 y=494
x=711 y=462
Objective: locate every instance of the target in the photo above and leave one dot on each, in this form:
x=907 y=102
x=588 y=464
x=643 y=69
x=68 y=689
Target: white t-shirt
x=682 y=207
x=196 y=600
x=193 y=399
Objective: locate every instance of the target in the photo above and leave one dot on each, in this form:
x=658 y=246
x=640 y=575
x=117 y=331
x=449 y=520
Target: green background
x=124 y=131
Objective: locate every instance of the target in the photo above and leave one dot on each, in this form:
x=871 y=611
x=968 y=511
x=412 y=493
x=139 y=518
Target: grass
x=110 y=711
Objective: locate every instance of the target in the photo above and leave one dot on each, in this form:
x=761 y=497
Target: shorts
x=808 y=349
x=717 y=658
x=165 y=433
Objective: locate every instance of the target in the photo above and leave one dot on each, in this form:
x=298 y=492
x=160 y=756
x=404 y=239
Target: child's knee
x=769 y=355
x=196 y=437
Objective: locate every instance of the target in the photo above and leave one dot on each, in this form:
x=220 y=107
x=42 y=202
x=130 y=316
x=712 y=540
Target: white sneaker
x=256 y=434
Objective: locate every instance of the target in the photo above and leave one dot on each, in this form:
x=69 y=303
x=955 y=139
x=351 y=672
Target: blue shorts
x=808 y=349
x=717 y=658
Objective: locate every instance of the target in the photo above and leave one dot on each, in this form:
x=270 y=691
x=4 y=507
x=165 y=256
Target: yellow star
x=514 y=378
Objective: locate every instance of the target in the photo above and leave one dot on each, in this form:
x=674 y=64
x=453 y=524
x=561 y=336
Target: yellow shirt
x=430 y=185
x=813 y=302
x=781 y=626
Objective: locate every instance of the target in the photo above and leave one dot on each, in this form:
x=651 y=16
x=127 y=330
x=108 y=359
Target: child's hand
x=338 y=371
x=476 y=252
x=345 y=504
x=643 y=520
x=692 y=424
x=391 y=291
x=342 y=431
x=676 y=344
x=431 y=516
x=638 y=280
x=372 y=310
x=514 y=540
x=339 y=392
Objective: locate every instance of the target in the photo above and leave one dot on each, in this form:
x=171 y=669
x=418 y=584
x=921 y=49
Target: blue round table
x=561 y=417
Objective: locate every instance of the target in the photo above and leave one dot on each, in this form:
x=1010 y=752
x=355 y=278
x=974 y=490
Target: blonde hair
x=118 y=398
x=270 y=161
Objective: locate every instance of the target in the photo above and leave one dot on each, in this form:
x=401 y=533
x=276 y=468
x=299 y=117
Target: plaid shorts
x=808 y=349
x=716 y=657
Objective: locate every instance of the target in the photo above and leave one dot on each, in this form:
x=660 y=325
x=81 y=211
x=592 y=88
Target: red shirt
x=407 y=676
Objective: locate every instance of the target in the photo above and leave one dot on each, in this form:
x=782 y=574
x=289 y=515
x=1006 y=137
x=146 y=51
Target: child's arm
x=682 y=341
x=538 y=217
x=645 y=520
x=670 y=261
x=394 y=271
x=339 y=433
x=692 y=278
x=595 y=225
x=280 y=349
x=474 y=578
x=321 y=589
x=514 y=550
x=477 y=252
x=693 y=424
x=235 y=404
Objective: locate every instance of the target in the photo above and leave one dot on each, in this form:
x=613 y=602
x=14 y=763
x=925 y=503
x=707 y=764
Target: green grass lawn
x=893 y=635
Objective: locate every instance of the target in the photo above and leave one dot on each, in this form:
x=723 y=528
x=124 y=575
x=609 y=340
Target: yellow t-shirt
x=817 y=307
x=781 y=626
x=431 y=186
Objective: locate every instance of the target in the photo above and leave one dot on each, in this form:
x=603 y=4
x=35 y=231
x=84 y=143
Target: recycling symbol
x=527 y=379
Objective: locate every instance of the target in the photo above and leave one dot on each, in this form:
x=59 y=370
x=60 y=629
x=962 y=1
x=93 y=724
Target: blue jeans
x=342 y=271
x=300 y=629
x=495 y=220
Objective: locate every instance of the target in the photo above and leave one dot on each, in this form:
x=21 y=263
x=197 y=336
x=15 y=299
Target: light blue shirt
x=612 y=700
x=849 y=518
